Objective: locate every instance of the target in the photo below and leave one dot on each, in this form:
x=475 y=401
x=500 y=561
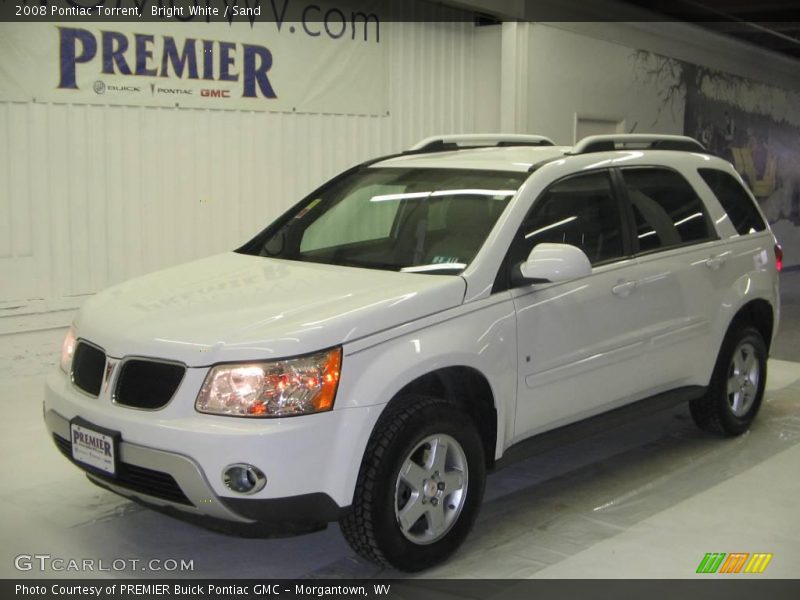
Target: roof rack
x=445 y=143
x=636 y=141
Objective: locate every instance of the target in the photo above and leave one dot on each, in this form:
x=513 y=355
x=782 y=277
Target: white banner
x=336 y=63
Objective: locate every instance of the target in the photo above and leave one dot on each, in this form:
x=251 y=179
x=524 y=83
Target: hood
x=237 y=307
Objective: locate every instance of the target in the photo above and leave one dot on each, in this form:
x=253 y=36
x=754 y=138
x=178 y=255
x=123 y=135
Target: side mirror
x=551 y=263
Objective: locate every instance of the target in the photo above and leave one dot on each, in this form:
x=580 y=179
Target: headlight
x=67 y=350
x=295 y=386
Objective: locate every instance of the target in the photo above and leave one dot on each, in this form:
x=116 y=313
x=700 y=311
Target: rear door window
x=667 y=211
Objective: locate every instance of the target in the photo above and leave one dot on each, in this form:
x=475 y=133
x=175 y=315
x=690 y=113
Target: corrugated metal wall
x=93 y=195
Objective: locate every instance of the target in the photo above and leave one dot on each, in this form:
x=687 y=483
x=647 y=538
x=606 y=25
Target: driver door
x=580 y=342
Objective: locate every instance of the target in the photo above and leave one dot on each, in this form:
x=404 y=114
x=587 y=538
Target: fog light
x=244 y=479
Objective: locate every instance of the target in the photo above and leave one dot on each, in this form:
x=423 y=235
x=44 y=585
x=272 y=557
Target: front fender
x=480 y=335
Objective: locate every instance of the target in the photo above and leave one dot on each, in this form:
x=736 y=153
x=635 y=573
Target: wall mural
x=753 y=125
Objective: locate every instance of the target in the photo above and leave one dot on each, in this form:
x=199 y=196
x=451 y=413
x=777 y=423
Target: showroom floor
x=647 y=500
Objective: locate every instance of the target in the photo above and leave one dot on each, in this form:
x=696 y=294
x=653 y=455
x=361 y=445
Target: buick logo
x=99 y=87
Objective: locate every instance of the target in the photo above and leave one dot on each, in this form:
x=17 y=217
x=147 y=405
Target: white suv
x=418 y=321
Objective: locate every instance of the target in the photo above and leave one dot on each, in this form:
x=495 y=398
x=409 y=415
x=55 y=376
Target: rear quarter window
x=741 y=210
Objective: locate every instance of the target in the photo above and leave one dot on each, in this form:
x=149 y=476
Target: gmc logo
x=215 y=93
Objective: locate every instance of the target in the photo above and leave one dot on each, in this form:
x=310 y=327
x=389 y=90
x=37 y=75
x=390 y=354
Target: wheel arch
x=725 y=410
x=760 y=314
x=757 y=311
x=470 y=390
x=753 y=299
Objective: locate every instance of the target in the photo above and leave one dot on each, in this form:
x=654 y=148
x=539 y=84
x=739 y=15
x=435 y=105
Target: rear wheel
x=420 y=485
x=737 y=385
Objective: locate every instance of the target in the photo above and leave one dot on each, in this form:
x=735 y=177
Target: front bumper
x=153 y=476
x=174 y=457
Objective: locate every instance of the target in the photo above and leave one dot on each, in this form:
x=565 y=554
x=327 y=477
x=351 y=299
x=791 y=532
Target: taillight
x=778 y=258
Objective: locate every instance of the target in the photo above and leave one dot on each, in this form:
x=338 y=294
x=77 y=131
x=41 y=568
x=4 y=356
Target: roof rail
x=636 y=141
x=444 y=143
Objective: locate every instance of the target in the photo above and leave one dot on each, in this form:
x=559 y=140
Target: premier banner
x=329 y=60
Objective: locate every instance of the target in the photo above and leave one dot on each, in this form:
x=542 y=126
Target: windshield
x=413 y=220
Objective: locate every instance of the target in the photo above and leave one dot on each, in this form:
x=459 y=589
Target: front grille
x=134 y=478
x=88 y=364
x=147 y=384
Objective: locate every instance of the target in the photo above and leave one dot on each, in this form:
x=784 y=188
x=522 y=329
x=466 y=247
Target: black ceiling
x=771 y=24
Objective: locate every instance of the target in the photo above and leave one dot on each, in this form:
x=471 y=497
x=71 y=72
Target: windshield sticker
x=437 y=260
x=311 y=205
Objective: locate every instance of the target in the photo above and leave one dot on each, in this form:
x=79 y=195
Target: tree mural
x=743 y=121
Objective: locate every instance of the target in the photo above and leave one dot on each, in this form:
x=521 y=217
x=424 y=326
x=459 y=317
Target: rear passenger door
x=682 y=274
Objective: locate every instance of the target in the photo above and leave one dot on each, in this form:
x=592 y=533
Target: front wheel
x=420 y=485
x=737 y=385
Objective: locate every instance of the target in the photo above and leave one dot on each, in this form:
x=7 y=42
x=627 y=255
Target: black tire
x=372 y=525
x=717 y=411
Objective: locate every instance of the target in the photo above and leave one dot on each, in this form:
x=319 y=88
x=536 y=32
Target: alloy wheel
x=431 y=489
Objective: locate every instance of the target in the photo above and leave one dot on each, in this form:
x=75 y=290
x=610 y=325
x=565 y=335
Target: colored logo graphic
x=735 y=562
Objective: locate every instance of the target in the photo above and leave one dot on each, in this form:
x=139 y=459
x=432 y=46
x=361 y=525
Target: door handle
x=716 y=261
x=623 y=288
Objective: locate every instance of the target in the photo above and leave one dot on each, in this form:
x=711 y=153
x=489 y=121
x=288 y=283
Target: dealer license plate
x=94 y=448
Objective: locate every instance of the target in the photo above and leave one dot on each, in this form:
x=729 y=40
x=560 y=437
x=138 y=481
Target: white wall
x=487 y=50
x=694 y=44
x=590 y=68
x=571 y=74
x=93 y=195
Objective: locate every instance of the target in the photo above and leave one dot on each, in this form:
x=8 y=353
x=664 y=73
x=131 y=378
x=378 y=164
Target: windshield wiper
x=434 y=267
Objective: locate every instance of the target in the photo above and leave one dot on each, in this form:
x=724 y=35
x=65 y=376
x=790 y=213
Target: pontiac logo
x=110 y=365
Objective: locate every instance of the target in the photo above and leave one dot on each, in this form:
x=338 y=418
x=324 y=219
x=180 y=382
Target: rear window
x=743 y=214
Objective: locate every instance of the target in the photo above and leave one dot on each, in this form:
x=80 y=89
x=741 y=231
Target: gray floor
x=787 y=343
x=643 y=501
x=647 y=500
